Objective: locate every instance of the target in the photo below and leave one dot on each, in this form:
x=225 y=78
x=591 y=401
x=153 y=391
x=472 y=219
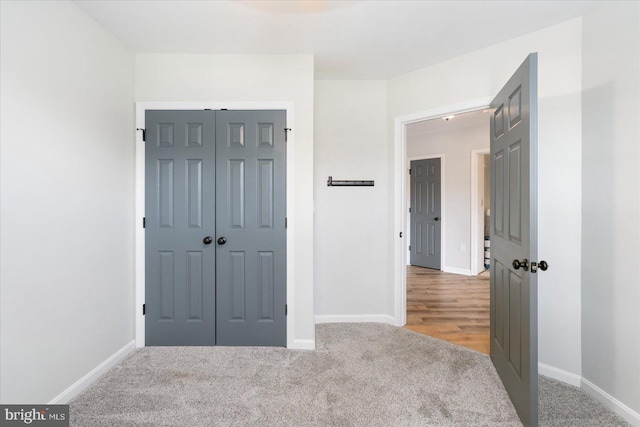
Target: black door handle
x=436 y=218
x=524 y=264
x=207 y=240
x=222 y=241
x=542 y=265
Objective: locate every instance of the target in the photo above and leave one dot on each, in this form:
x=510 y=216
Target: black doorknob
x=524 y=264
x=207 y=240
x=222 y=241
x=436 y=218
x=542 y=265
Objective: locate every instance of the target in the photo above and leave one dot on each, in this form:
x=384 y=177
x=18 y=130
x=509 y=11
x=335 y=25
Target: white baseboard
x=84 y=382
x=303 y=345
x=355 y=318
x=462 y=271
x=611 y=402
x=559 y=374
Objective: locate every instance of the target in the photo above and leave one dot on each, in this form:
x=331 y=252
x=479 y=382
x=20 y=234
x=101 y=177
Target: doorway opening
x=418 y=290
x=481 y=211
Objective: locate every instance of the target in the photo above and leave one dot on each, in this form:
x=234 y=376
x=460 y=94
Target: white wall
x=480 y=75
x=456 y=145
x=351 y=227
x=67 y=198
x=253 y=78
x=610 y=205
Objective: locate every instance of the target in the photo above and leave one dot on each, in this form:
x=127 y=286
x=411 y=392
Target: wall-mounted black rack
x=359 y=183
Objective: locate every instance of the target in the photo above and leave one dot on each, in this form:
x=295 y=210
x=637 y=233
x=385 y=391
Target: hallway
x=449 y=306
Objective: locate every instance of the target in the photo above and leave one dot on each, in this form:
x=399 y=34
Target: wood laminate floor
x=449 y=306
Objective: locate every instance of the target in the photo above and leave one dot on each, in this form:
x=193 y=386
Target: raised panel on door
x=251 y=267
x=513 y=136
x=497 y=308
x=180 y=208
x=425 y=213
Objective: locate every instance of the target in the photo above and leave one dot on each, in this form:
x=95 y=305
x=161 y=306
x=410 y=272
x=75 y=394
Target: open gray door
x=514 y=293
x=425 y=213
x=250 y=228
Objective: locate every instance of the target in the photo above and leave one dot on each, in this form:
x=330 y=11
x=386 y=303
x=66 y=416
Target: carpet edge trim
x=84 y=382
x=611 y=402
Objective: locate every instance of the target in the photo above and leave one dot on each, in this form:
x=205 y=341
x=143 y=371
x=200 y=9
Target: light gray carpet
x=361 y=375
x=562 y=405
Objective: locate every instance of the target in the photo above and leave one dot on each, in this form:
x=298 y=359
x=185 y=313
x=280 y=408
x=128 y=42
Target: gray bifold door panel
x=215 y=228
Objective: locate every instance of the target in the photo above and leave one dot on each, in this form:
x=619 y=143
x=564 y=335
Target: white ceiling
x=363 y=39
x=472 y=119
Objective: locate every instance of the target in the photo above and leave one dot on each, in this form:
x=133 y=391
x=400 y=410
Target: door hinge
x=286 y=309
x=144 y=309
x=409 y=247
x=144 y=222
x=409 y=209
x=285 y=222
x=286 y=133
x=401 y=234
x=144 y=133
x=409 y=171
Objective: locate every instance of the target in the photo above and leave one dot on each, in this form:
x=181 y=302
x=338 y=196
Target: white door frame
x=475 y=220
x=400 y=195
x=443 y=218
x=139 y=279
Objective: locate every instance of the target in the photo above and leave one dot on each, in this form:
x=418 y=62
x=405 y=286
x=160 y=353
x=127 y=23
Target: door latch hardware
x=144 y=309
x=144 y=133
x=542 y=265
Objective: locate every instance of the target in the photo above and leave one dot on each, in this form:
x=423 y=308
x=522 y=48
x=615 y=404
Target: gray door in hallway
x=514 y=296
x=425 y=215
x=215 y=228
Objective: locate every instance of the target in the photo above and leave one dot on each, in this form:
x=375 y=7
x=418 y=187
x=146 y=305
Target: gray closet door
x=180 y=213
x=250 y=228
x=514 y=293
x=425 y=213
